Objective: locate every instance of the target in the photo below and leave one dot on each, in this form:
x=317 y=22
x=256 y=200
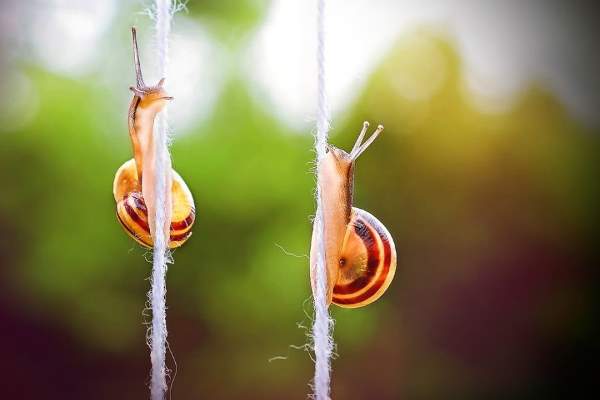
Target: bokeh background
x=486 y=175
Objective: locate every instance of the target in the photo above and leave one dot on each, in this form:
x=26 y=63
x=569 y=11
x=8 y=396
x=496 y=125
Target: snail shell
x=133 y=214
x=367 y=262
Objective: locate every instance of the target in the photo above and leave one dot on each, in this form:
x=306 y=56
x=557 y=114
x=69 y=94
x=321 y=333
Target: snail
x=133 y=186
x=360 y=255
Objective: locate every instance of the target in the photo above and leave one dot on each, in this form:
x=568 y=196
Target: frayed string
x=322 y=339
x=157 y=335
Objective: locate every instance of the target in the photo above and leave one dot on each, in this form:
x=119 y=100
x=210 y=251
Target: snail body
x=134 y=184
x=360 y=255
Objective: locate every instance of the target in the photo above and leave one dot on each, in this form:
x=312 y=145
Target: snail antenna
x=359 y=147
x=136 y=60
x=360 y=137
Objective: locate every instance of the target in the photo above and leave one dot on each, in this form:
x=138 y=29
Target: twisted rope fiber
x=161 y=256
x=322 y=325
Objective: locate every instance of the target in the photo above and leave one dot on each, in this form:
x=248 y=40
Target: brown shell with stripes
x=132 y=212
x=367 y=262
x=134 y=185
x=360 y=254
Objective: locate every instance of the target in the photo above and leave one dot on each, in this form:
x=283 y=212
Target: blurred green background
x=493 y=205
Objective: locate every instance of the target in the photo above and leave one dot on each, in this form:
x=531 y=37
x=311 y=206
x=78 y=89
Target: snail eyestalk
x=136 y=60
x=360 y=147
x=360 y=137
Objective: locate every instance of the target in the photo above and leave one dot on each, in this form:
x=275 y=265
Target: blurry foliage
x=228 y=18
x=490 y=213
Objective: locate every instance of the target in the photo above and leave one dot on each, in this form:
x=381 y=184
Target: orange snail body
x=360 y=254
x=134 y=184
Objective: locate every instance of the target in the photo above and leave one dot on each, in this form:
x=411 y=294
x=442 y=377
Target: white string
x=158 y=291
x=322 y=325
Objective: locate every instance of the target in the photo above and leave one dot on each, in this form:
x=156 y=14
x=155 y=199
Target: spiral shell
x=367 y=262
x=133 y=214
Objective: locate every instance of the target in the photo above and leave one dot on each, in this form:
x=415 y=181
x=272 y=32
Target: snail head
x=148 y=94
x=344 y=161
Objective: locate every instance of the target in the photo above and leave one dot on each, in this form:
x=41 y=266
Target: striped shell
x=367 y=262
x=133 y=214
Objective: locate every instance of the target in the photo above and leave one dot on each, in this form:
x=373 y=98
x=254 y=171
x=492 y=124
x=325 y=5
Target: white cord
x=158 y=291
x=322 y=325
